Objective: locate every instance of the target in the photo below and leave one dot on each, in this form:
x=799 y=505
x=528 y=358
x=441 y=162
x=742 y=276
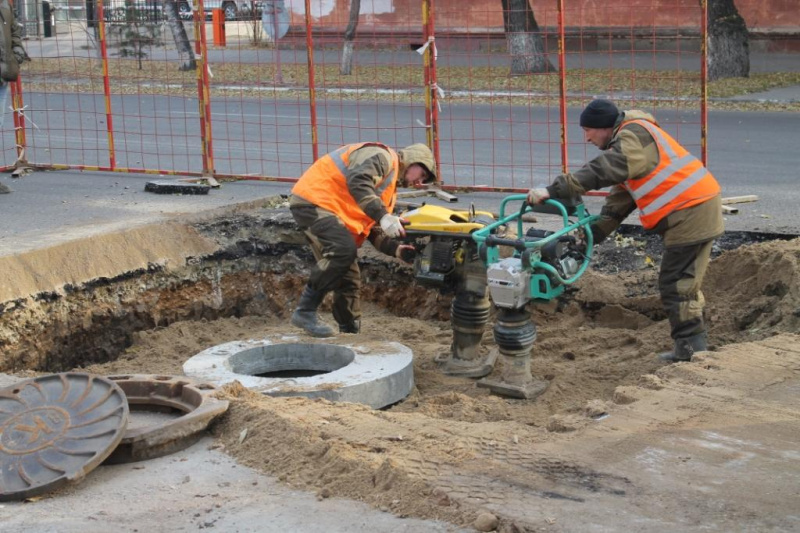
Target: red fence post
x=312 y=93
x=19 y=121
x=431 y=86
x=203 y=88
x=562 y=85
x=704 y=81
x=112 y=158
x=218 y=23
x=19 y=118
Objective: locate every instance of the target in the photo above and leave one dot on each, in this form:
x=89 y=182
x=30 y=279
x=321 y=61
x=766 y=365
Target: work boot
x=352 y=327
x=4 y=189
x=685 y=348
x=305 y=316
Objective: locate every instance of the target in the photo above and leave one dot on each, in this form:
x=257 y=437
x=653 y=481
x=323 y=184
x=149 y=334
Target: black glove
x=21 y=55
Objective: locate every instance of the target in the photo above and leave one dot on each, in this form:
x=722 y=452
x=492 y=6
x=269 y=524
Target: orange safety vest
x=324 y=185
x=679 y=180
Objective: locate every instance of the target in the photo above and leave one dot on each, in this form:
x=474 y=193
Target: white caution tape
x=21 y=111
x=431 y=42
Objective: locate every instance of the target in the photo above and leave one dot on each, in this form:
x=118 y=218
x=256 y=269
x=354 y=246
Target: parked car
x=234 y=9
x=153 y=10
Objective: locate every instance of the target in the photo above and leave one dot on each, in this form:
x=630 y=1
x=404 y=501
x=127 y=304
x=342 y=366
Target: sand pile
x=597 y=347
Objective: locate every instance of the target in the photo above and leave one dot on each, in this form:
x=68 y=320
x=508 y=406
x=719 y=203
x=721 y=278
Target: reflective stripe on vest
x=336 y=156
x=679 y=180
x=324 y=184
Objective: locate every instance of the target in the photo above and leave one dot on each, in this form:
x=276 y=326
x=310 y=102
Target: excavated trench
x=594 y=345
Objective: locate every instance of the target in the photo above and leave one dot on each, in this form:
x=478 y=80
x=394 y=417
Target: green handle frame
x=490 y=252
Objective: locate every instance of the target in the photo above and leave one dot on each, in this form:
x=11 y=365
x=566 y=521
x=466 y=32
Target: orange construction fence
x=493 y=87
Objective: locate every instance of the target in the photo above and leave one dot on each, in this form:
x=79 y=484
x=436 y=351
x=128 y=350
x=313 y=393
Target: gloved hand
x=537 y=196
x=406 y=253
x=393 y=226
x=21 y=55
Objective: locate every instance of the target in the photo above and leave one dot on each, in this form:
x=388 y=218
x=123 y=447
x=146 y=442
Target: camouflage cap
x=420 y=154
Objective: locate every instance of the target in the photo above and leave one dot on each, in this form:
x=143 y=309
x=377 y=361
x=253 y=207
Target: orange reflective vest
x=679 y=180
x=324 y=184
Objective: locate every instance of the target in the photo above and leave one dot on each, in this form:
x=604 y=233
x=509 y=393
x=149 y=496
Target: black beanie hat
x=599 y=114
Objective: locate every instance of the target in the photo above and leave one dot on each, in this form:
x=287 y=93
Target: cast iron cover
x=55 y=429
x=175 y=187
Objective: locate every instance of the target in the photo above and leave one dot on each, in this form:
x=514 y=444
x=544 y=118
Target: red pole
x=19 y=117
x=704 y=82
x=432 y=89
x=562 y=85
x=426 y=73
x=112 y=157
x=203 y=90
x=312 y=93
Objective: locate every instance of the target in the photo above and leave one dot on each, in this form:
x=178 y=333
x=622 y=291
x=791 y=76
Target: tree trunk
x=524 y=39
x=349 y=36
x=175 y=24
x=728 y=42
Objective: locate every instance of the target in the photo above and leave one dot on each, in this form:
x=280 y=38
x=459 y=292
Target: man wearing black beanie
x=599 y=114
x=676 y=197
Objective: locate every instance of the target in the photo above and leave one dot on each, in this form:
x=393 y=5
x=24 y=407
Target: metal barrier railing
x=130 y=90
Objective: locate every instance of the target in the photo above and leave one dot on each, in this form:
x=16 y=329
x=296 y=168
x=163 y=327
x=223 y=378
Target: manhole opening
x=293 y=360
x=286 y=374
x=145 y=415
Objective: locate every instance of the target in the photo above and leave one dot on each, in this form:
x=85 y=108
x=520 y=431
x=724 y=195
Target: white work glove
x=537 y=196
x=392 y=226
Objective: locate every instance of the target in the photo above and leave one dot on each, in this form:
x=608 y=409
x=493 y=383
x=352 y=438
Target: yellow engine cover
x=437 y=218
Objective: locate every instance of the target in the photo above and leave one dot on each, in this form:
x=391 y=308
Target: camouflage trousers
x=336 y=268
x=682 y=271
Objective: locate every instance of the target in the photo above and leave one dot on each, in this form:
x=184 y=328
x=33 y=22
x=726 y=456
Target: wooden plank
x=412 y=194
x=740 y=199
x=447 y=197
x=728 y=210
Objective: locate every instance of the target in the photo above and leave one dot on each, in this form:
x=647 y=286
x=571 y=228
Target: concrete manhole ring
x=379 y=375
x=177 y=394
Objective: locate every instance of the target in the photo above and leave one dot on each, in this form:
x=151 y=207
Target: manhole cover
x=176 y=187
x=55 y=429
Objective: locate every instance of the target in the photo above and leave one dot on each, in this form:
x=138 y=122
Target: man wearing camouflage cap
x=345 y=198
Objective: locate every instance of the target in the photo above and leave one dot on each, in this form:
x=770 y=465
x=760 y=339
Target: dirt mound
x=450 y=446
x=754 y=291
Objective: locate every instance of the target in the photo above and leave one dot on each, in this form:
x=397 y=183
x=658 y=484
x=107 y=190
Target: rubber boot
x=352 y=327
x=305 y=316
x=685 y=348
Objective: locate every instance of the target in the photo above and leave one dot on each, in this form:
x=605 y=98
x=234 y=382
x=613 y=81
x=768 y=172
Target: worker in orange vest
x=343 y=199
x=676 y=197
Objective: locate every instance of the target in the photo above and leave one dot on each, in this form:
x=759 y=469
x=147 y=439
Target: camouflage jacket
x=633 y=153
x=368 y=165
x=10 y=38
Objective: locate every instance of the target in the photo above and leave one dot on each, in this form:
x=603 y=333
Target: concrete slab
x=198 y=488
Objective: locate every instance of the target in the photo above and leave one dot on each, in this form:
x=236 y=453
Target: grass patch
x=462 y=84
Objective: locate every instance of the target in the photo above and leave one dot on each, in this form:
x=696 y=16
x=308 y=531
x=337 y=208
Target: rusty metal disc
x=55 y=429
